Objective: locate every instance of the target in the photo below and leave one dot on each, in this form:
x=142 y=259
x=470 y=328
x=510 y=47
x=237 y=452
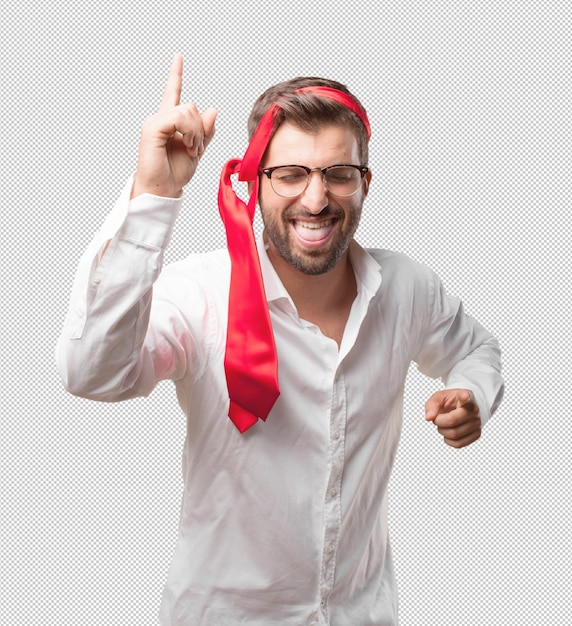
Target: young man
x=284 y=521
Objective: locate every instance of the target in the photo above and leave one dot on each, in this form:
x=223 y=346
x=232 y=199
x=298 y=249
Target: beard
x=311 y=261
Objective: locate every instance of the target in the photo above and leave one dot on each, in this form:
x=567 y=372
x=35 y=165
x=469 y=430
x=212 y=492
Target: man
x=283 y=521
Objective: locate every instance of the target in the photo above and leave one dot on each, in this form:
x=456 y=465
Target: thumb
x=444 y=401
x=209 y=118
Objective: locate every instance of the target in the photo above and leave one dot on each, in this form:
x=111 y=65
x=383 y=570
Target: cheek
x=272 y=207
x=353 y=206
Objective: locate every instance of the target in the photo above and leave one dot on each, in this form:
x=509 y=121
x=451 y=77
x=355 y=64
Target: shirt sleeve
x=455 y=347
x=100 y=353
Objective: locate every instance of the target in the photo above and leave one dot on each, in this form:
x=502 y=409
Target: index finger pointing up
x=172 y=93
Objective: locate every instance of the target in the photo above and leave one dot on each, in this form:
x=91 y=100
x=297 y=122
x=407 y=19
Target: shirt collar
x=272 y=284
x=366 y=269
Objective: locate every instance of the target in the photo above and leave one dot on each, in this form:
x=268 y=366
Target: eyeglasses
x=290 y=181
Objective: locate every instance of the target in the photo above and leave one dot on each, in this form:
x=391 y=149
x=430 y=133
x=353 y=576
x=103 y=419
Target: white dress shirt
x=285 y=524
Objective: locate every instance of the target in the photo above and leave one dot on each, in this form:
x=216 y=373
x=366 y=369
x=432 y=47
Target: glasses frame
x=362 y=169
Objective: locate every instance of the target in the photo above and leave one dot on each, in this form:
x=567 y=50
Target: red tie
x=251 y=363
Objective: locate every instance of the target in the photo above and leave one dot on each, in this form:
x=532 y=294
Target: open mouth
x=314 y=233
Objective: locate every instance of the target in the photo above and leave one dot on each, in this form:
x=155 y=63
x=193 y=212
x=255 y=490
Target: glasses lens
x=289 y=181
x=342 y=180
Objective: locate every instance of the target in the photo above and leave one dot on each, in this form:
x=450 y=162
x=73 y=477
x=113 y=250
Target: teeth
x=315 y=225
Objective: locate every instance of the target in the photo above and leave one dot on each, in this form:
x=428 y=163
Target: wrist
x=163 y=191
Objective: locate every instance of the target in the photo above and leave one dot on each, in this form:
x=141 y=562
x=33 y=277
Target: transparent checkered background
x=470 y=109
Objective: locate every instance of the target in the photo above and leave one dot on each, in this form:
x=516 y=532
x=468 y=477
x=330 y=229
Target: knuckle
x=189 y=110
x=454 y=443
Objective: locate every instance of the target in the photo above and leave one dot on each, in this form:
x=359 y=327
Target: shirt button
x=333 y=492
x=336 y=434
x=330 y=548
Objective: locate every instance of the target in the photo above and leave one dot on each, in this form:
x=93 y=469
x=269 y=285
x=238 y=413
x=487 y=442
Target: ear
x=366 y=183
x=250 y=187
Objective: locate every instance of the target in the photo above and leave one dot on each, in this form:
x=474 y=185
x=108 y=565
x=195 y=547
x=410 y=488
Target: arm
x=456 y=348
x=101 y=352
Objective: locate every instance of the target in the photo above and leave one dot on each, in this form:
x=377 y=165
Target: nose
x=315 y=197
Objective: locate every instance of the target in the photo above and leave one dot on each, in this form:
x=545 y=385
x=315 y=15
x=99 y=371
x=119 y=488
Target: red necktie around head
x=251 y=362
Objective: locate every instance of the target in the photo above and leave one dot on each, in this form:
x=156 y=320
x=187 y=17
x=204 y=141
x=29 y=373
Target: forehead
x=329 y=145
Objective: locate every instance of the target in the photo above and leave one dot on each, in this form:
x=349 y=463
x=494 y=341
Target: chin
x=314 y=264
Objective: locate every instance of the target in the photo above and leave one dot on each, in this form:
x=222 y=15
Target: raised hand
x=172 y=141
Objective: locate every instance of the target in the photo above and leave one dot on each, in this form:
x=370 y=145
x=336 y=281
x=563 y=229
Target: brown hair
x=308 y=111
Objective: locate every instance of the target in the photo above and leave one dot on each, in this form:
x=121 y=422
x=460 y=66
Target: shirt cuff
x=150 y=220
x=147 y=219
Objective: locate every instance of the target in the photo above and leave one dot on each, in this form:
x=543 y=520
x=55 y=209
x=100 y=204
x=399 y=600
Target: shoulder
x=201 y=272
x=398 y=265
x=208 y=266
x=405 y=281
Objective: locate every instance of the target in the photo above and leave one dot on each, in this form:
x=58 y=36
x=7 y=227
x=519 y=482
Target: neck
x=323 y=299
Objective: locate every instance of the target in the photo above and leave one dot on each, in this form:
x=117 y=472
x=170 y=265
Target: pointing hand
x=456 y=415
x=172 y=141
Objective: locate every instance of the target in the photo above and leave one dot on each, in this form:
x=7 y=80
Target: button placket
x=332 y=503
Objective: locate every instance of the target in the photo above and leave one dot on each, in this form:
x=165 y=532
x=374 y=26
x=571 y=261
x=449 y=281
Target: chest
x=363 y=355
x=331 y=324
